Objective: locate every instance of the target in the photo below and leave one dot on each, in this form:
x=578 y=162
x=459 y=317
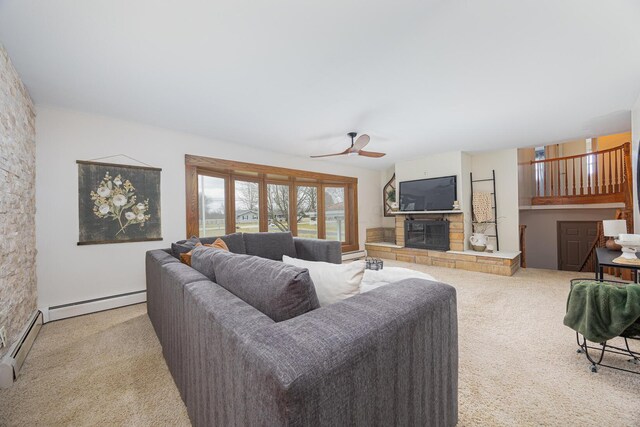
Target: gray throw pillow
x=278 y=290
x=270 y=245
x=184 y=246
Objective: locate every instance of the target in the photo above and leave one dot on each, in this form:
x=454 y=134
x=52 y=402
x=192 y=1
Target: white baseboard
x=354 y=255
x=93 y=306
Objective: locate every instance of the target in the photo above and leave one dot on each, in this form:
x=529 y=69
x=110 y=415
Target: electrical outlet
x=3 y=337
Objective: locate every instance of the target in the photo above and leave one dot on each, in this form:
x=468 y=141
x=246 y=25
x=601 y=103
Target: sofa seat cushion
x=333 y=282
x=270 y=245
x=278 y=290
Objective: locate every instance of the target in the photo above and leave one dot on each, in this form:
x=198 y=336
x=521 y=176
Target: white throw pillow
x=373 y=279
x=333 y=282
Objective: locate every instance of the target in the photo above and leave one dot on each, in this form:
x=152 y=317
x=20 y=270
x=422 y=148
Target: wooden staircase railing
x=523 y=247
x=598 y=177
x=589 y=262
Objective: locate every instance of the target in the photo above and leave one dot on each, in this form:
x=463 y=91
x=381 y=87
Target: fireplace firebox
x=427 y=234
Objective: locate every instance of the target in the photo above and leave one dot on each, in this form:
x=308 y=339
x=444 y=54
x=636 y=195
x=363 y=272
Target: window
x=334 y=213
x=539 y=168
x=247 y=201
x=211 y=203
x=307 y=211
x=226 y=196
x=278 y=207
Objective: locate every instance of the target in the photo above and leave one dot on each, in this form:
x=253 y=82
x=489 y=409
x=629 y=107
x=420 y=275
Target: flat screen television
x=433 y=194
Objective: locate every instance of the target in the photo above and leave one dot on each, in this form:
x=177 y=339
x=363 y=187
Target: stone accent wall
x=17 y=202
x=381 y=234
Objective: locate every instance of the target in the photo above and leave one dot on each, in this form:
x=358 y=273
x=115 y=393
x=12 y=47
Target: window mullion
x=293 y=206
x=262 y=203
x=321 y=218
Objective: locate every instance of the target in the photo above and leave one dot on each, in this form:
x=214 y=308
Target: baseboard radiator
x=94 y=305
x=352 y=256
x=12 y=362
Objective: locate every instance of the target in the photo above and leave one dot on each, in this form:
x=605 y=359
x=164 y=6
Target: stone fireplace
x=455 y=229
x=400 y=245
x=426 y=234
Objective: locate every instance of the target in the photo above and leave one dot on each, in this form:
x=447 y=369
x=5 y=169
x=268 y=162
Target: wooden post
x=597 y=182
x=581 y=178
x=573 y=170
x=628 y=181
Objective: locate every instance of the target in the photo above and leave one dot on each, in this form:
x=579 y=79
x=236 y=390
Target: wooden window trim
x=227 y=169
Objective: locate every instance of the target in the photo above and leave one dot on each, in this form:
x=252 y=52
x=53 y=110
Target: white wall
x=385 y=176
x=465 y=199
x=505 y=163
x=526 y=176
x=70 y=273
x=542 y=231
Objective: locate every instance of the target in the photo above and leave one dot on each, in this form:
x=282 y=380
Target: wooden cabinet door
x=574 y=241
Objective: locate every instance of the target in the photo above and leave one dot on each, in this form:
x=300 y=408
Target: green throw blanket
x=601 y=311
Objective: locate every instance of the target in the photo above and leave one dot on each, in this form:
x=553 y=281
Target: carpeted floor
x=518 y=364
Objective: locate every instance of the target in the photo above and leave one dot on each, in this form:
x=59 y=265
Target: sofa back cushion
x=235 y=242
x=270 y=245
x=278 y=290
x=202 y=260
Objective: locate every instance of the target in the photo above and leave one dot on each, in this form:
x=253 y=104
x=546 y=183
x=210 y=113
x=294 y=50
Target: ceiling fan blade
x=361 y=142
x=371 y=153
x=330 y=155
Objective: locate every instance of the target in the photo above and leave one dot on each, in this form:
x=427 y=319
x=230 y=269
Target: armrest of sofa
x=386 y=357
x=318 y=250
x=154 y=260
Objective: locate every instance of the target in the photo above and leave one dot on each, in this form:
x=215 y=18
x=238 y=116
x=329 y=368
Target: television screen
x=434 y=194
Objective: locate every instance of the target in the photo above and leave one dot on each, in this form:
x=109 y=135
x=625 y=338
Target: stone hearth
x=380 y=244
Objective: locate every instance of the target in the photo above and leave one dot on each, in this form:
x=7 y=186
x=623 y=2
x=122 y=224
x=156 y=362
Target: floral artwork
x=118 y=203
x=116 y=200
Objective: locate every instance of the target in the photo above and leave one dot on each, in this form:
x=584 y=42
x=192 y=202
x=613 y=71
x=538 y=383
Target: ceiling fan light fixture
x=356 y=148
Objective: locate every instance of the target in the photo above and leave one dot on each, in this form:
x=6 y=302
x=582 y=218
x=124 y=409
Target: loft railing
x=598 y=177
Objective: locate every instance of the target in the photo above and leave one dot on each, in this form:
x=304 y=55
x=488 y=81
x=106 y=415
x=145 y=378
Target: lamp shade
x=614 y=227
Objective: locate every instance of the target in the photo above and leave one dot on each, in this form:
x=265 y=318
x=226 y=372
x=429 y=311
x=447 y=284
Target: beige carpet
x=518 y=364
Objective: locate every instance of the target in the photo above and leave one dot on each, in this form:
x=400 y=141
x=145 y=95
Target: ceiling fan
x=356 y=148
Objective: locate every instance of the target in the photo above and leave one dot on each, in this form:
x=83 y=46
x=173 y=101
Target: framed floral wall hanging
x=118 y=203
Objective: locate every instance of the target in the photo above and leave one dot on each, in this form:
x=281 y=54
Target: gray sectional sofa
x=381 y=358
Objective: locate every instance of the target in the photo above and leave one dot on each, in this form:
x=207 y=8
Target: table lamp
x=613 y=228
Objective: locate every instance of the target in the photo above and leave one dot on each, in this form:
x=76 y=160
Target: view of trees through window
x=247 y=206
x=278 y=207
x=307 y=207
x=211 y=197
x=226 y=196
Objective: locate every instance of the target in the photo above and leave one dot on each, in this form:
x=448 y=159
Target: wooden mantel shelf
x=459 y=211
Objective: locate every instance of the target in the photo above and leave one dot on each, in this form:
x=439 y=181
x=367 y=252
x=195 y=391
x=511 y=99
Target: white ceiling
x=295 y=76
